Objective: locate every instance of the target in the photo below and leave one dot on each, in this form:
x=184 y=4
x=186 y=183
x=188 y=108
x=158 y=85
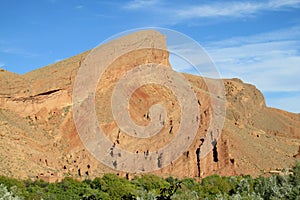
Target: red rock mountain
x=38 y=137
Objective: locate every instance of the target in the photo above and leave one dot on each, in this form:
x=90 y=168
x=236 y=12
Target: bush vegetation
x=110 y=186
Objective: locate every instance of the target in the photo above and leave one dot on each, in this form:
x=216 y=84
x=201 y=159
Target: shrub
x=213 y=185
x=116 y=187
x=110 y=186
x=7 y=195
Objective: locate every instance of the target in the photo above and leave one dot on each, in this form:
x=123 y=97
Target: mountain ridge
x=39 y=138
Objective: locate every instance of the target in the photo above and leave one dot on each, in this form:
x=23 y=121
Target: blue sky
x=256 y=41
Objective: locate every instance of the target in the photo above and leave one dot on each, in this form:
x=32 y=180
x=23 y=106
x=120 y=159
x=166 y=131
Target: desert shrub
x=8 y=195
x=13 y=185
x=244 y=186
x=191 y=195
x=295 y=177
x=277 y=187
x=250 y=196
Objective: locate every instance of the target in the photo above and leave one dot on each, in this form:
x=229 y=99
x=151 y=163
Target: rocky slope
x=38 y=137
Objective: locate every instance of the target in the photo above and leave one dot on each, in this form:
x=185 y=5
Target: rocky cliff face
x=38 y=137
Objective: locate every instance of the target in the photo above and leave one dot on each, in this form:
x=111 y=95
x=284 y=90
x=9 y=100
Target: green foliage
x=10 y=182
x=150 y=182
x=7 y=195
x=116 y=187
x=296 y=174
x=213 y=185
x=110 y=186
x=13 y=186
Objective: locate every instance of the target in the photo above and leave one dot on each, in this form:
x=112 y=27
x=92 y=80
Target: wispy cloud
x=270 y=60
x=79 y=6
x=16 y=51
x=58 y=60
x=137 y=4
x=287 y=102
x=288 y=34
x=233 y=9
x=2 y=64
x=176 y=12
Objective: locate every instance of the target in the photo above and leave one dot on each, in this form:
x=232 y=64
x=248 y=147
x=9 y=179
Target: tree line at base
x=149 y=186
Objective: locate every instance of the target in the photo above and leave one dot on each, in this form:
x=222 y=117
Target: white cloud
x=2 y=64
x=290 y=103
x=137 y=4
x=186 y=53
x=269 y=73
x=233 y=9
x=267 y=60
x=217 y=10
x=175 y=12
x=292 y=33
x=270 y=61
x=17 y=51
x=57 y=60
x=283 y=3
x=79 y=7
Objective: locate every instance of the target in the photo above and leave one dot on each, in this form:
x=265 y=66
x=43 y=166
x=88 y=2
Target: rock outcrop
x=38 y=137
